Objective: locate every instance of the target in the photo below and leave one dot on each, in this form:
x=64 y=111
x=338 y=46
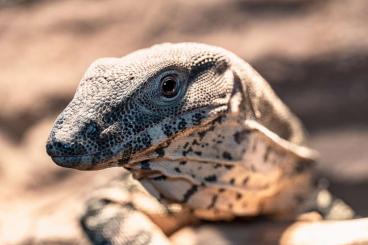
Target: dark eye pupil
x=169 y=86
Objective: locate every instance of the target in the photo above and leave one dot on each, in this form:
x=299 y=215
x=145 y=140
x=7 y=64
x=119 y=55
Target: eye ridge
x=169 y=86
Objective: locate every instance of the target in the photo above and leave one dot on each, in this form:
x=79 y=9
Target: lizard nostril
x=58 y=148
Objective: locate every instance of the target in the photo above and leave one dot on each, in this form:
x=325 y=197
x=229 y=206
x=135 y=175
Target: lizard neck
x=223 y=170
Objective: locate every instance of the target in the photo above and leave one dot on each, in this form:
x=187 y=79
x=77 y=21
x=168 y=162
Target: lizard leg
x=107 y=222
x=323 y=203
x=331 y=207
x=124 y=213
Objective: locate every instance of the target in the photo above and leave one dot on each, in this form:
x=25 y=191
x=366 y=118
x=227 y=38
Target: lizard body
x=196 y=125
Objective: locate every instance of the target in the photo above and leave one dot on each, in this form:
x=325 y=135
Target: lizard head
x=126 y=107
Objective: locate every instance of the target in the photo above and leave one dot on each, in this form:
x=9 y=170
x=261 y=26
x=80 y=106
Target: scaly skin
x=196 y=125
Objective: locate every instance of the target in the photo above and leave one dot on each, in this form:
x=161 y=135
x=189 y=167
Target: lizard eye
x=169 y=86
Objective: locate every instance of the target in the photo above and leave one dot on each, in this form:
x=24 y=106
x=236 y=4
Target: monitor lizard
x=201 y=132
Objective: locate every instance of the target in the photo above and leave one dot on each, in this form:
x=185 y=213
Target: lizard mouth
x=83 y=162
x=123 y=154
x=68 y=161
x=91 y=160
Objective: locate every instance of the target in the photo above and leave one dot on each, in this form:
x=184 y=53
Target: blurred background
x=314 y=53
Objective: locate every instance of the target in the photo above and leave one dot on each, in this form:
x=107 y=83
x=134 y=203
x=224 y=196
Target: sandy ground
x=314 y=53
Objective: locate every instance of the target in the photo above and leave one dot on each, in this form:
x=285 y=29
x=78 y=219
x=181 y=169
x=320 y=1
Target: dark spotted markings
x=141 y=237
x=202 y=134
x=160 y=151
x=126 y=154
x=145 y=165
x=226 y=155
x=238 y=195
x=146 y=140
x=211 y=178
x=189 y=193
x=197 y=118
x=185 y=152
x=182 y=124
x=232 y=181
x=177 y=170
x=199 y=153
x=160 y=177
x=213 y=202
x=168 y=130
x=239 y=137
x=106 y=230
x=245 y=180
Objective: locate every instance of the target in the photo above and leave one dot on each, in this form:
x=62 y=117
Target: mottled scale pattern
x=227 y=167
x=128 y=103
x=221 y=144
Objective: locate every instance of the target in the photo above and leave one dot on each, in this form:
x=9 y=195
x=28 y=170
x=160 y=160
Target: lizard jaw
x=86 y=162
x=127 y=153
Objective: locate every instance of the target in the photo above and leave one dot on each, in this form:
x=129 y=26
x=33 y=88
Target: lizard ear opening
x=264 y=106
x=240 y=101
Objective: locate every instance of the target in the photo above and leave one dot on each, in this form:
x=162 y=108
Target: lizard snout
x=58 y=148
x=70 y=144
x=65 y=141
x=65 y=154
